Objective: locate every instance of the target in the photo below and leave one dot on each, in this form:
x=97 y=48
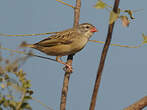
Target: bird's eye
x=87 y=27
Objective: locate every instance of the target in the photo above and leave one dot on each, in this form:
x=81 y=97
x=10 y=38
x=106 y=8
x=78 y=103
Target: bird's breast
x=78 y=44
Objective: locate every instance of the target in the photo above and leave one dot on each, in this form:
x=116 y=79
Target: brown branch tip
x=65 y=3
x=139 y=105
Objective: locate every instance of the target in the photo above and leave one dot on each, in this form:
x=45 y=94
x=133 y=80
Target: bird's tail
x=24 y=44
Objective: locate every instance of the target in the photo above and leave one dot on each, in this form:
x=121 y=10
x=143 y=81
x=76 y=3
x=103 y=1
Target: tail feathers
x=24 y=44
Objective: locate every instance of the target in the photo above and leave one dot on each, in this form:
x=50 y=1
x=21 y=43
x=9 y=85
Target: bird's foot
x=68 y=68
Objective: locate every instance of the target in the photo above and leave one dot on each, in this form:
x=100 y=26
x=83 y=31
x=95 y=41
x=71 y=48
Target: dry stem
x=139 y=105
x=69 y=60
x=102 y=60
x=65 y=3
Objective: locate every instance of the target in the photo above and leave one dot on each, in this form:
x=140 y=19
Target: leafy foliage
x=115 y=16
x=144 y=38
x=14 y=86
x=100 y=5
x=130 y=12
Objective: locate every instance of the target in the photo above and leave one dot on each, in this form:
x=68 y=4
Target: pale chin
x=89 y=34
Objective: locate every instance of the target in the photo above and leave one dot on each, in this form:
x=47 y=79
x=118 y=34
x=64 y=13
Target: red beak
x=93 y=29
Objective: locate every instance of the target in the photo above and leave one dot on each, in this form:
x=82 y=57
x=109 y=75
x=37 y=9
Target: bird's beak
x=93 y=29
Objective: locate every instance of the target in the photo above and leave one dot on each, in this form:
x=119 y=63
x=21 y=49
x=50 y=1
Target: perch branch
x=69 y=59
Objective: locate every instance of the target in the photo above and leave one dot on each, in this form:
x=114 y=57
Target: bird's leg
x=60 y=61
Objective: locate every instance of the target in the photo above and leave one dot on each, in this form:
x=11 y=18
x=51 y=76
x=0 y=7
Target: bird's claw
x=68 y=68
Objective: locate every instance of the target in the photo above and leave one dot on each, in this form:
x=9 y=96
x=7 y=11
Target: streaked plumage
x=66 y=42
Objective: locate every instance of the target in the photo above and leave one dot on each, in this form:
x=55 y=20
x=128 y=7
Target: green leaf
x=27 y=84
x=2 y=71
x=12 y=103
x=27 y=98
x=113 y=17
x=26 y=106
x=1 y=79
x=100 y=5
x=2 y=100
x=144 y=38
x=6 y=103
x=2 y=86
x=30 y=92
x=130 y=13
x=6 y=77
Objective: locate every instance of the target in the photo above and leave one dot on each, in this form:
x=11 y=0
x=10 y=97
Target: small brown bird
x=65 y=42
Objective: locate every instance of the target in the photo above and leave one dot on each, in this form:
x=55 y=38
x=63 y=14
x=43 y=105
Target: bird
x=66 y=42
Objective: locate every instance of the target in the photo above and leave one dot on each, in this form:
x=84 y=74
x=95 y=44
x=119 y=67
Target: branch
x=29 y=54
x=69 y=60
x=21 y=101
x=77 y=13
x=102 y=60
x=8 y=35
x=118 y=45
x=44 y=105
x=139 y=105
x=65 y=4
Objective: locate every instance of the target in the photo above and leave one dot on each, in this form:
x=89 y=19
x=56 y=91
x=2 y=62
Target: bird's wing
x=63 y=37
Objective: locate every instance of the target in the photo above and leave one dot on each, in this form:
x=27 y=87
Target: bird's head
x=87 y=29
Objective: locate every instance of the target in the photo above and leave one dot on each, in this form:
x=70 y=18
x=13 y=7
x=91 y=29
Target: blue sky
x=124 y=76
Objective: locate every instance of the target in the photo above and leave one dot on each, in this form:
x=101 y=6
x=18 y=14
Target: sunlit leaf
x=6 y=77
x=2 y=86
x=1 y=79
x=15 y=86
x=1 y=70
x=2 y=99
x=130 y=13
x=12 y=103
x=144 y=38
x=113 y=17
x=30 y=92
x=6 y=103
x=26 y=106
x=100 y=5
x=125 y=21
x=27 y=98
x=8 y=82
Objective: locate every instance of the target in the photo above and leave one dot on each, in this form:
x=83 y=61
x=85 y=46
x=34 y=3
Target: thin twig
x=134 y=11
x=44 y=105
x=77 y=13
x=65 y=4
x=29 y=54
x=69 y=60
x=102 y=60
x=118 y=45
x=139 y=105
x=21 y=101
x=8 y=35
